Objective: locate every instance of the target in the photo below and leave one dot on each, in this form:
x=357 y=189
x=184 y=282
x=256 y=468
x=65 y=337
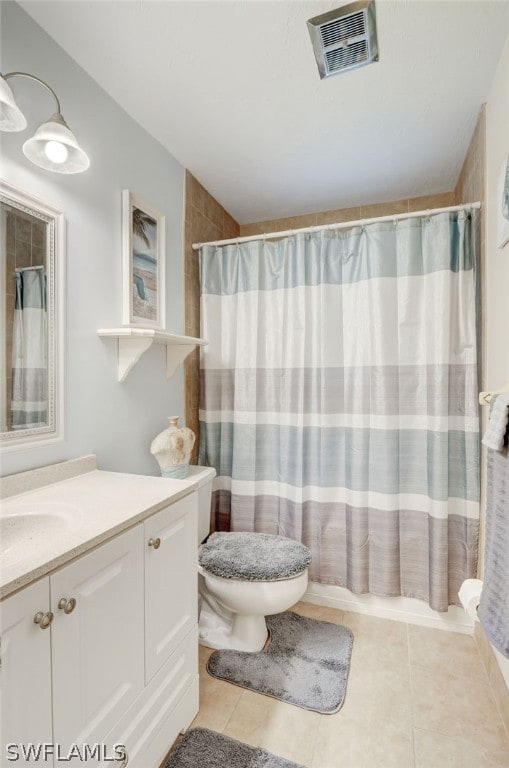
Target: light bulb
x=56 y=151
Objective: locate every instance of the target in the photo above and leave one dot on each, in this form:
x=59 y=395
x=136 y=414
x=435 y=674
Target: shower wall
x=368 y=211
x=204 y=219
x=471 y=186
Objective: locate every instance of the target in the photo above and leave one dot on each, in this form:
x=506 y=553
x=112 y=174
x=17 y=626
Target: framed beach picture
x=503 y=204
x=143 y=250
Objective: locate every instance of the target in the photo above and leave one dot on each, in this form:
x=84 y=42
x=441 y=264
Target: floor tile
x=218 y=699
x=416 y=698
x=371 y=686
x=444 y=652
x=461 y=707
x=204 y=652
x=433 y=750
x=283 y=729
x=361 y=740
x=320 y=612
x=377 y=641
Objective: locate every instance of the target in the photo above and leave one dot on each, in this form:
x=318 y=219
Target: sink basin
x=22 y=532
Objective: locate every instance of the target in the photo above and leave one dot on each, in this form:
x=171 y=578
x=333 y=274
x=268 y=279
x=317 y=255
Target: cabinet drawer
x=166 y=707
x=171 y=587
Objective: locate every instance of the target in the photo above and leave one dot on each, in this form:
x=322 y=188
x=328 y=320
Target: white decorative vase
x=172 y=449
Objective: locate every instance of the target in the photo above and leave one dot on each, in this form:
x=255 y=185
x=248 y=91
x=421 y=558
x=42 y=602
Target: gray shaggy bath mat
x=201 y=748
x=305 y=662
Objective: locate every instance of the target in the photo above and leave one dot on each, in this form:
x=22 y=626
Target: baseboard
x=406 y=609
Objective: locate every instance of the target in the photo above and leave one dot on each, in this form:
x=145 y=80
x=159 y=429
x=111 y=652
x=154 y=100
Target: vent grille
x=345 y=38
x=340 y=30
x=348 y=57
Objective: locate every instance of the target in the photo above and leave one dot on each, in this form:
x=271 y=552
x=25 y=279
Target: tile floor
x=416 y=698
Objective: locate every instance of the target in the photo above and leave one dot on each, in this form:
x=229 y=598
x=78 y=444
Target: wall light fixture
x=53 y=146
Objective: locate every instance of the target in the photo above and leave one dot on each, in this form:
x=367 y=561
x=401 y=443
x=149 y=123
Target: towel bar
x=485 y=397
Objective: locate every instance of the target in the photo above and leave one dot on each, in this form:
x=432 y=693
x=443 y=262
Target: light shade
x=11 y=117
x=54 y=147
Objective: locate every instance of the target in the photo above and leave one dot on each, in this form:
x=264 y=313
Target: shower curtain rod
x=342 y=225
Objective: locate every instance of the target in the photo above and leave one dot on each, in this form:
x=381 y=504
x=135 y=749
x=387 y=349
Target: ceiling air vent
x=345 y=38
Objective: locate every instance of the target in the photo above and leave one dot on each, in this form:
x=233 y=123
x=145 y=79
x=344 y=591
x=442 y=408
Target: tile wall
x=349 y=214
x=204 y=220
x=471 y=187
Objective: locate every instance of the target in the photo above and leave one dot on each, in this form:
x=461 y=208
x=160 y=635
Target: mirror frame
x=24 y=439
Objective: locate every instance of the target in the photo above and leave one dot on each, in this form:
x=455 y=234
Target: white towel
x=497 y=424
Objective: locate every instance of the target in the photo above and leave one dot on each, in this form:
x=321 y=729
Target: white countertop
x=66 y=519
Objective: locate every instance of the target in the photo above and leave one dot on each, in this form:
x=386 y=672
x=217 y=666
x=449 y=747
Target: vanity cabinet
x=97 y=639
x=171 y=588
x=117 y=660
x=25 y=669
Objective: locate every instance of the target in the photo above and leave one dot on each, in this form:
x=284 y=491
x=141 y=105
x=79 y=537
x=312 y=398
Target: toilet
x=243 y=577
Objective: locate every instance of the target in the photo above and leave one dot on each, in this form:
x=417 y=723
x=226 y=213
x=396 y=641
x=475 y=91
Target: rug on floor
x=305 y=663
x=201 y=748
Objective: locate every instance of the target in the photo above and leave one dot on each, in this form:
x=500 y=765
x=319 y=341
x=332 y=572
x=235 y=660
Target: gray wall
x=115 y=421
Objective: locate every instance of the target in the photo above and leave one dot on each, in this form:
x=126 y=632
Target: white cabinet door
x=171 y=587
x=26 y=675
x=97 y=647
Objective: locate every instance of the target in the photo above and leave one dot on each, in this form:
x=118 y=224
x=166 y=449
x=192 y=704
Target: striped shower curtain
x=339 y=400
x=29 y=405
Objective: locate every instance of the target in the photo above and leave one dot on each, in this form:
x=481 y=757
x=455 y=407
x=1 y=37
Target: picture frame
x=143 y=263
x=503 y=204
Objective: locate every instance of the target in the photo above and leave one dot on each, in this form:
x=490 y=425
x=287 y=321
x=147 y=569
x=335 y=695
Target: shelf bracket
x=175 y=355
x=129 y=352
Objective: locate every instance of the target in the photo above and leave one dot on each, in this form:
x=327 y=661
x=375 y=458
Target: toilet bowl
x=243 y=577
x=233 y=611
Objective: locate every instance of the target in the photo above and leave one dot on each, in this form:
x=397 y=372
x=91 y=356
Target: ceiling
x=232 y=90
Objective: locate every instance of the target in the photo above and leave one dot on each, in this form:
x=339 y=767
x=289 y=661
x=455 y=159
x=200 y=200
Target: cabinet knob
x=67 y=606
x=156 y=543
x=43 y=619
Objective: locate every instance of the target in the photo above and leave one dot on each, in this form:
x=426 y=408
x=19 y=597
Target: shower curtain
x=29 y=351
x=339 y=399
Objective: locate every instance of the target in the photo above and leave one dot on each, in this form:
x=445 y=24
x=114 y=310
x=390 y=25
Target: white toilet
x=243 y=577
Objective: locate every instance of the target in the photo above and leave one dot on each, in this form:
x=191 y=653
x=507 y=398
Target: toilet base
x=222 y=629
x=223 y=619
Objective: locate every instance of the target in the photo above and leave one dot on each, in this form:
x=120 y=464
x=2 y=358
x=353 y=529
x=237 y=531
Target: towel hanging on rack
x=493 y=610
x=497 y=423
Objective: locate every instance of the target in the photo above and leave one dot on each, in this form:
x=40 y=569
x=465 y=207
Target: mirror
x=31 y=307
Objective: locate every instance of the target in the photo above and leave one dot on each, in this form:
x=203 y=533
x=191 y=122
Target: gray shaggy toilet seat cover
x=253 y=556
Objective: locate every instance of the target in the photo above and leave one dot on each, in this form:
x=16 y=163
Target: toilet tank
x=204 y=477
